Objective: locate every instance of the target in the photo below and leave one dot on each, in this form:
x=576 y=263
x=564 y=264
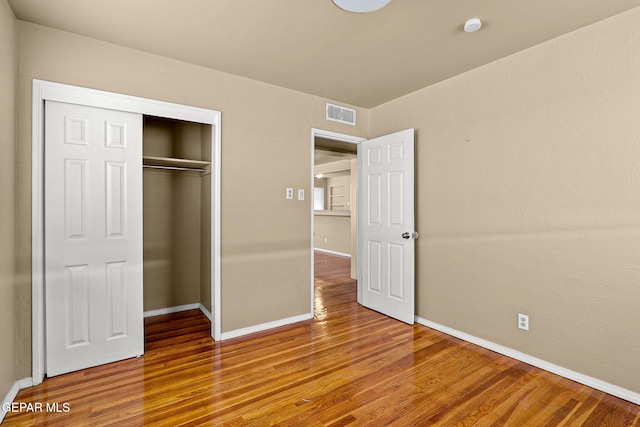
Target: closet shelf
x=174 y=163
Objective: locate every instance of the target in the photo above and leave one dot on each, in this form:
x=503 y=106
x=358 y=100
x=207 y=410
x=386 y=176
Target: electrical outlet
x=289 y=193
x=523 y=321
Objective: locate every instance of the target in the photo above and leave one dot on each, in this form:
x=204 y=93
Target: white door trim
x=337 y=137
x=44 y=90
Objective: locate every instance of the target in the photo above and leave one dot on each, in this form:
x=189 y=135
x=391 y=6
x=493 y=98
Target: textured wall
x=266 y=243
x=528 y=199
x=336 y=230
x=172 y=217
x=8 y=82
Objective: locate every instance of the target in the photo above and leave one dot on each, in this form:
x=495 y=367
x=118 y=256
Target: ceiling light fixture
x=361 y=6
x=472 y=25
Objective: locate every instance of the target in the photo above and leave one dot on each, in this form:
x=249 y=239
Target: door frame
x=45 y=90
x=342 y=138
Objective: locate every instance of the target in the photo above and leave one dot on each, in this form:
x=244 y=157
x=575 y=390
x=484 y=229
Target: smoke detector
x=472 y=25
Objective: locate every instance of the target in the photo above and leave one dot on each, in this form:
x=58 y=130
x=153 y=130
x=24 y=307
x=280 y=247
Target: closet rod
x=174 y=168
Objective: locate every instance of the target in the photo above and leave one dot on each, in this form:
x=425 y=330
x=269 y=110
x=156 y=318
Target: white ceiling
x=315 y=47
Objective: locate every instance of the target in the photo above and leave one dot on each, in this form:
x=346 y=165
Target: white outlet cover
x=289 y=193
x=523 y=321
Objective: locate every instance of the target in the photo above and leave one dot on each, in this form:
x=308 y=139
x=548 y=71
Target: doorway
x=334 y=210
x=384 y=223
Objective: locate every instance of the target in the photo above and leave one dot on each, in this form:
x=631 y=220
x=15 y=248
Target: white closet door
x=93 y=236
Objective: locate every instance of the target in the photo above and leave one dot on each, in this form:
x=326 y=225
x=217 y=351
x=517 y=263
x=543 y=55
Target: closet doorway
x=176 y=216
x=178 y=139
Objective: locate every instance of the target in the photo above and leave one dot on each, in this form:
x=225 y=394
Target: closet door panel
x=116 y=188
x=75 y=198
x=93 y=236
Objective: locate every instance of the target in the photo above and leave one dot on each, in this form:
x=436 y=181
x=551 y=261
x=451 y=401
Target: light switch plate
x=289 y=193
x=300 y=194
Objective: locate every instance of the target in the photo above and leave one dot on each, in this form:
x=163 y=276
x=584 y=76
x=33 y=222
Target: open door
x=93 y=236
x=386 y=224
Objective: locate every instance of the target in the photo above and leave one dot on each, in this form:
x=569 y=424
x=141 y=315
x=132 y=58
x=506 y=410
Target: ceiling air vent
x=335 y=113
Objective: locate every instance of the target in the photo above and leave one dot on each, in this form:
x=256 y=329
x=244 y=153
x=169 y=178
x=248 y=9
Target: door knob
x=407 y=235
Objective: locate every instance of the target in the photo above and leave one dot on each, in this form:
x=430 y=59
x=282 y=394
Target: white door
x=93 y=236
x=386 y=225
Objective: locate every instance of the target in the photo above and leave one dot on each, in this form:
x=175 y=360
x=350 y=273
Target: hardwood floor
x=349 y=366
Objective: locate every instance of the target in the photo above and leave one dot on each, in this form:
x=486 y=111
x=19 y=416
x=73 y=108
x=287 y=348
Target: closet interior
x=177 y=214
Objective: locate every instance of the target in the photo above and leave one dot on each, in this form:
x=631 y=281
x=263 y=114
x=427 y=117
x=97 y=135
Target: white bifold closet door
x=93 y=236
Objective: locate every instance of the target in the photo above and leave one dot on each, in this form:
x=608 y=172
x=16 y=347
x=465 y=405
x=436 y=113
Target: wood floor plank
x=519 y=398
x=349 y=366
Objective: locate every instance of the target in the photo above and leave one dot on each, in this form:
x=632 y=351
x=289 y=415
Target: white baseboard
x=265 y=326
x=332 y=252
x=169 y=310
x=13 y=392
x=611 y=389
x=206 y=312
x=179 y=308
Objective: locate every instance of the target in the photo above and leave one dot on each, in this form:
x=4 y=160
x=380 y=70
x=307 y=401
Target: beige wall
x=332 y=233
x=172 y=217
x=265 y=148
x=528 y=199
x=8 y=81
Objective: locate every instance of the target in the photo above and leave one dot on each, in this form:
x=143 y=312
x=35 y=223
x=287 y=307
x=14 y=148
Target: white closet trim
x=44 y=90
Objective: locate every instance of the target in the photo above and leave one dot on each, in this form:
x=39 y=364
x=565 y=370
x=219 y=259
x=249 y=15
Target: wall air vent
x=335 y=113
